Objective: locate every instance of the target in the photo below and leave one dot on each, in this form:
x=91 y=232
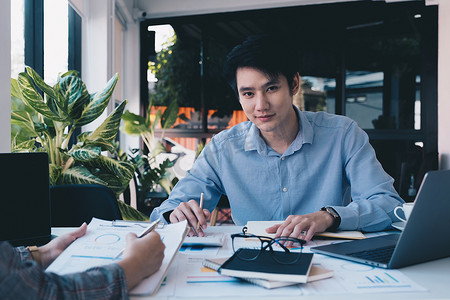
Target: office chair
x=222 y=206
x=73 y=204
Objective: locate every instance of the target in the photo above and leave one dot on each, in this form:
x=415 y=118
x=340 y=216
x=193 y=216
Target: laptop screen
x=25 y=203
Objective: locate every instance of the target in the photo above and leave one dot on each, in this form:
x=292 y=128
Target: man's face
x=267 y=102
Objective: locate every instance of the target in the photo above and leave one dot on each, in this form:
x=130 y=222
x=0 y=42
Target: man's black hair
x=272 y=55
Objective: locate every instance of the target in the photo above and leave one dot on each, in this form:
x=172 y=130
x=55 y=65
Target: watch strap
x=336 y=218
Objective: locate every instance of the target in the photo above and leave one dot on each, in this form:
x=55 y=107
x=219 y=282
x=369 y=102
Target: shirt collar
x=305 y=135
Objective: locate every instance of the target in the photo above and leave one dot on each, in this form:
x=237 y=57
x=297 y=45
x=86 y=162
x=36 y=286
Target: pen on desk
x=201 y=207
x=143 y=233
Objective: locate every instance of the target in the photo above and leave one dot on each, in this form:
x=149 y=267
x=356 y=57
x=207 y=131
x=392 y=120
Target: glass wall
x=372 y=61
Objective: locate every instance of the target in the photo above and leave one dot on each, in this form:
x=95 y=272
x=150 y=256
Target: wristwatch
x=335 y=215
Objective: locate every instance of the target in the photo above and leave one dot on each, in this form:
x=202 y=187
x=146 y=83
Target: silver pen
x=143 y=233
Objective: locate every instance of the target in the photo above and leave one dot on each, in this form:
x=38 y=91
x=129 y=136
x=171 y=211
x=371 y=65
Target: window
x=373 y=61
x=17 y=38
x=56 y=39
x=41 y=32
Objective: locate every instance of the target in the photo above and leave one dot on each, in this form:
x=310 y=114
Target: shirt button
x=285 y=189
x=282 y=158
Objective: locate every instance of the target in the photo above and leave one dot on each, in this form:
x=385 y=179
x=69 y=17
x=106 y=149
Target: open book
x=316 y=272
x=104 y=239
x=259 y=228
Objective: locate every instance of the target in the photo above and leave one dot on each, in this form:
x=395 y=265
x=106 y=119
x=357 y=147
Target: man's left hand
x=303 y=226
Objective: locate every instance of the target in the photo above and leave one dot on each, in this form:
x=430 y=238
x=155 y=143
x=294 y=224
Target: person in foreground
x=23 y=276
x=313 y=171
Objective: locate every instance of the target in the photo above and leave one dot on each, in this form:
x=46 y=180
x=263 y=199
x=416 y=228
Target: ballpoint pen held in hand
x=201 y=207
x=147 y=230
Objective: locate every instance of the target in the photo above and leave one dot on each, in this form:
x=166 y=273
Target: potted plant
x=45 y=117
x=150 y=174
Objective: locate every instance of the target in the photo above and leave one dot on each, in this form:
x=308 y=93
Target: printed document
x=104 y=239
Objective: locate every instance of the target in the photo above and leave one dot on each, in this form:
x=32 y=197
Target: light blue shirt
x=330 y=163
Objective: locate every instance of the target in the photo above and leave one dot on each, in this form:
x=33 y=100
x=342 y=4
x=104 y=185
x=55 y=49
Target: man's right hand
x=191 y=212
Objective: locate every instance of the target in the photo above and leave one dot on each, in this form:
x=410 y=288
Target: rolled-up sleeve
x=373 y=195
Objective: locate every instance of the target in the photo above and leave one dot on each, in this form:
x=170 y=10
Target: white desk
x=434 y=276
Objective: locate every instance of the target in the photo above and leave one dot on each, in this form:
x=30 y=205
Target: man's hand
x=191 y=212
x=296 y=225
x=50 y=251
x=142 y=257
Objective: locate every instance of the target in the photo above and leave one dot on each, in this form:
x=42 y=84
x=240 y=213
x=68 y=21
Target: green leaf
x=131 y=214
x=79 y=175
x=25 y=146
x=24 y=120
x=97 y=104
x=170 y=115
x=54 y=172
x=104 y=145
x=55 y=101
x=157 y=118
x=32 y=98
x=15 y=89
x=114 y=183
x=83 y=136
x=120 y=169
x=68 y=73
x=107 y=131
x=86 y=154
x=41 y=83
x=134 y=124
x=75 y=94
x=157 y=148
x=183 y=117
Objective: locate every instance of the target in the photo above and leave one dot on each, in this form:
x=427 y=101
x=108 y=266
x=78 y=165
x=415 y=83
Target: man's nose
x=262 y=102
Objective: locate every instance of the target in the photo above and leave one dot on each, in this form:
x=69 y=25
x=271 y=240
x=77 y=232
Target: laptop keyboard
x=382 y=255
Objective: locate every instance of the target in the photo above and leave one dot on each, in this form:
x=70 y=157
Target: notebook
x=264 y=267
x=25 y=201
x=317 y=272
x=425 y=235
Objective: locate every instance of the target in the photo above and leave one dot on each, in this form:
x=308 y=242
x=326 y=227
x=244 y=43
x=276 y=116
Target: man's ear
x=296 y=84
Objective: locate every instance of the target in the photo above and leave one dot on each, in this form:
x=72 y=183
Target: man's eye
x=247 y=94
x=272 y=88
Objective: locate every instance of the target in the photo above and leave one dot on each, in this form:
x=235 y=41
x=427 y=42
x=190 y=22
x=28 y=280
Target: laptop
x=425 y=237
x=25 y=200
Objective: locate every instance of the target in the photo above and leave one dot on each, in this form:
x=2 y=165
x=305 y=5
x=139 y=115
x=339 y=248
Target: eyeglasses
x=263 y=243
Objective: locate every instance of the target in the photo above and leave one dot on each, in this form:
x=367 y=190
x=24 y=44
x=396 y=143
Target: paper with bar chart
x=350 y=277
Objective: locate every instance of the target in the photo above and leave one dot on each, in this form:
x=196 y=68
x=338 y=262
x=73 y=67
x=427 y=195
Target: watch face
x=333 y=212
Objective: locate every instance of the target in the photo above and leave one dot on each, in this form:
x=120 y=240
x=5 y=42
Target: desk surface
x=434 y=276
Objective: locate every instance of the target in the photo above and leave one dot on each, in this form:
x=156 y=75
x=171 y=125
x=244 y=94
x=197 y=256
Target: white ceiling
x=174 y=8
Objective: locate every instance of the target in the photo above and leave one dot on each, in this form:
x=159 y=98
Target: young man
x=22 y=277
x=314 y=171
